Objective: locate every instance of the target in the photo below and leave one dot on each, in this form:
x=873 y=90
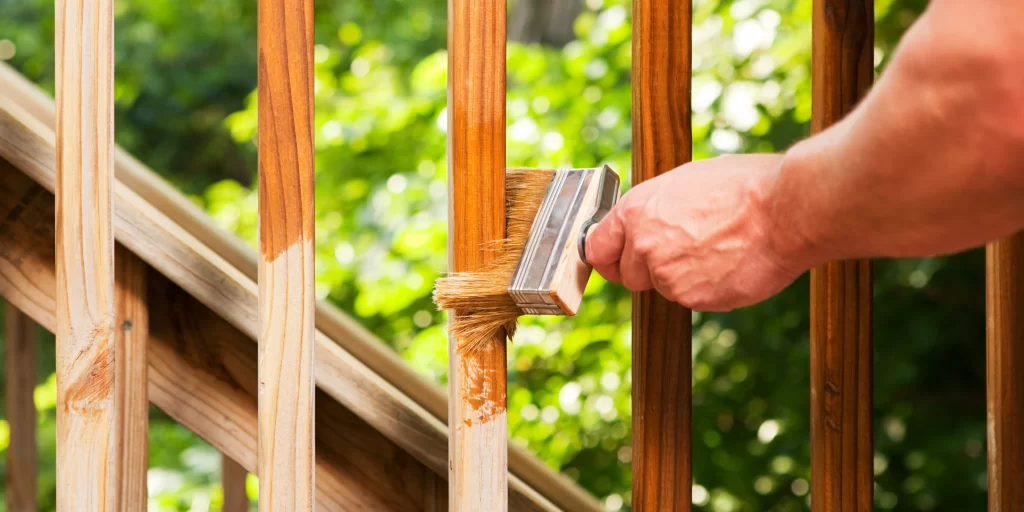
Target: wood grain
x=478 y=458
x=335 y=324
x=87 y=476
x=842 y=476
x=131 y=336
x=662 y=141
x=232 y=478
x=286 y=280
x=21 y=336
x=1005 y=373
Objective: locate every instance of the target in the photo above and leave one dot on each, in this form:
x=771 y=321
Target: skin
x=930 y=163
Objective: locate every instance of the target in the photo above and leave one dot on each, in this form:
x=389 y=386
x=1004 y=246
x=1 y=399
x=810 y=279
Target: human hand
x=701 y=235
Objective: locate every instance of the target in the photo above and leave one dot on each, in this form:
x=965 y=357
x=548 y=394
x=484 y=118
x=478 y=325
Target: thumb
x=604 y=244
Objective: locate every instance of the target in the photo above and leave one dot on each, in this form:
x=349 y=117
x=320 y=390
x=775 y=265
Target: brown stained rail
x=1005 y=373
x=88 y=473
x=841 y=428
x=20 y=339
x=286 y=293
x=478 y=453
x=661 y=329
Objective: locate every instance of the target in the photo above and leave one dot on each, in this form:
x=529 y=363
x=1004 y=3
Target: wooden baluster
x=130 y=378
x=20 y=338
x=662 y=476
x=841 y=430
x=478 y=447
x=1005 y=373
x=286 y=294
x=87 y=467
x=232 y=477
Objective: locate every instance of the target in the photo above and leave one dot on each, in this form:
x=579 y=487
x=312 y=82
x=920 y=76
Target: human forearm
x=932 y=161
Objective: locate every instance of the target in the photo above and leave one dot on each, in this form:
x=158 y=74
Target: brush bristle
x=480 y=300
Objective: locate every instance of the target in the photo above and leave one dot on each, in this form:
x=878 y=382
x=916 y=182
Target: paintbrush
x=541 y=266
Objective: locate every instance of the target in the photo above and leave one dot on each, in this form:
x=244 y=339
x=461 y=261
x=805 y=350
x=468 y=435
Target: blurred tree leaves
x=185 y=82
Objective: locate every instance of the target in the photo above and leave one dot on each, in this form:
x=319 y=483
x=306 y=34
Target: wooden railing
x=103 y=302
x=841 y=292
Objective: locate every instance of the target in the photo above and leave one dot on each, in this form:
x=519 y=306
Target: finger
x=633 y=269
x=604 y=245
x=610 y=272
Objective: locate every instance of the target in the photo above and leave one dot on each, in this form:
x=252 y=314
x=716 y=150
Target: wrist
x=791 y=227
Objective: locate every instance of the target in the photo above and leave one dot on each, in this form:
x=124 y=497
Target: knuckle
x=666 y=276
x=632 y=208
x=644 y=244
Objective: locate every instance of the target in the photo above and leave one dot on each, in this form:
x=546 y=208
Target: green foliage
x=185 y=79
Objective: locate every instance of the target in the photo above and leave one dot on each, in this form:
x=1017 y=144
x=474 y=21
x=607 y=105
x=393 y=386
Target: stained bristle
x=480 y=299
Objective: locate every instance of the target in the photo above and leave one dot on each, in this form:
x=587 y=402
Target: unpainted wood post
x=1005 y=373
x=87 y=466
x=478 y=446
x=842 y=477
x=131 y=338
x=20 y=341
x=232 y=478
x=286 y=277
x=662 y=475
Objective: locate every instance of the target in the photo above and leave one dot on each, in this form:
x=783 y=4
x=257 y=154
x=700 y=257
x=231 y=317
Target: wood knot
x=831 y=387
x=832 y=425
x=127 y=325
x=91 y=387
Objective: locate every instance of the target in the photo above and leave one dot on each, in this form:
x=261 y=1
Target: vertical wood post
x=87 y=468
x=1005 y=373
x=286 y=385
x=131 y=328
x=232 y=478
x=662 y=476
x=841 y=430
x=478 y=447
x=20 y=341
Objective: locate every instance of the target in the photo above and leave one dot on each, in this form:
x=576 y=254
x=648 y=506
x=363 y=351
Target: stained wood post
x=662 y=476
x=131 y=328
x=841 y=430
x=20 y=339
x=232 y=478
x=1005 y=373
x=478 y=447
x=286 y=300
x=87 y=466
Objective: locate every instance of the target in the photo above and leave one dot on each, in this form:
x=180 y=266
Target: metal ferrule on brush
x=552 y=269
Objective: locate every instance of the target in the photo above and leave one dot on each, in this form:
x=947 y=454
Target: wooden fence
x=102 y=315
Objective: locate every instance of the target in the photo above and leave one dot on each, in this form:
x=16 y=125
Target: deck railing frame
x=112 y=297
